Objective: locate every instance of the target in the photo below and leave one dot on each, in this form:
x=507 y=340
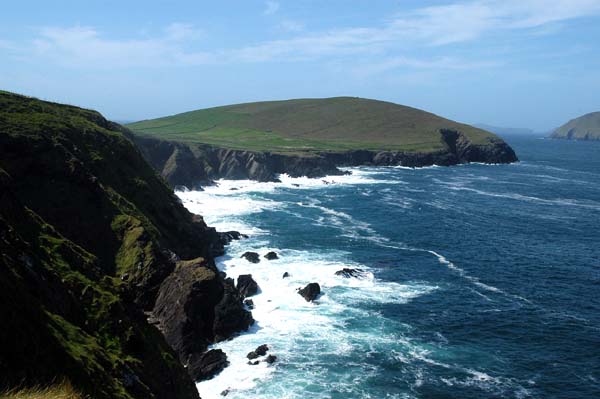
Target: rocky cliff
x=90 y=237
x=193 y=165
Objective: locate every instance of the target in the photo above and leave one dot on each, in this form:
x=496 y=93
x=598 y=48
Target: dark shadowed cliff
x=89 y=235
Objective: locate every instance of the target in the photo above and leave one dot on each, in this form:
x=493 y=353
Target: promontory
x=307 y=137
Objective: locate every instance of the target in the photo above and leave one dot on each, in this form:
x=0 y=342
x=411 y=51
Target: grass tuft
x=62 y=390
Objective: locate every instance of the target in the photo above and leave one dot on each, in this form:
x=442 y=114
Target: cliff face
x=88 y=236
x=193 y=165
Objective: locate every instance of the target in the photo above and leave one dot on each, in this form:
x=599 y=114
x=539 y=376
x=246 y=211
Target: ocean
x=482 y=281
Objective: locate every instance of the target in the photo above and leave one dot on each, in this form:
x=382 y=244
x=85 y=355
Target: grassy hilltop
x=586 y=127
x=305 y=125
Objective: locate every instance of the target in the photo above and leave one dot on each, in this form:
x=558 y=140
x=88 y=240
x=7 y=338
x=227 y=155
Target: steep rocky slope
x=193 y=165
x=88 y=236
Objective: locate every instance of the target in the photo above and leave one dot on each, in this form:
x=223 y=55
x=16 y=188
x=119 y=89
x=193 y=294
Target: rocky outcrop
x=228 y=236
x=246 y=285
x=251 y=257
x=271 y=359
x=271 y=255
x=207 y=365
x=310 y=292
x=196 y=307
x=258 y=352
x=194 y=165
x=349 y=272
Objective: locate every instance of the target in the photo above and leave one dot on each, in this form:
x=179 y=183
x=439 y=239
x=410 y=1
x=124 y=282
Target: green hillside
x=331 y=124
x=586 y=127
x=84 y=224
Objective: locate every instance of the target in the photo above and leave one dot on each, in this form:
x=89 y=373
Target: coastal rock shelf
x=194 y=165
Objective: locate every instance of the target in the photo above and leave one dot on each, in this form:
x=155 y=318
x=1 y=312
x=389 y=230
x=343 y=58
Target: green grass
x=61 y=390
x=307 y=125
x=80 y=204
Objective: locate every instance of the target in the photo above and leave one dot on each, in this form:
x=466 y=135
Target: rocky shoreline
x=195 y=165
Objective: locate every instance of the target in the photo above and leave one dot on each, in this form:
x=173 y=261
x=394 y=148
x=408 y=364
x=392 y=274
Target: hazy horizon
x=501 y=63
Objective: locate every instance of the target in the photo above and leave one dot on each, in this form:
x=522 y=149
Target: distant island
x=310 y=137
x=586 y=127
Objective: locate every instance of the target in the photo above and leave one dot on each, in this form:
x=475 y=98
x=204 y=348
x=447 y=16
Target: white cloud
x=434 y=26
x=463 y=21
x=364 y=70
x=5 y=44
x=271 y=7
x=288 y=25
x=180 y=31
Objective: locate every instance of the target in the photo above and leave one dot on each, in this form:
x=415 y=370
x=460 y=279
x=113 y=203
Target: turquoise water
x=484 y=281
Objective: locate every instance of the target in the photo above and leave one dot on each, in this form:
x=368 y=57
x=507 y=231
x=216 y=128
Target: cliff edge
x=89 y=236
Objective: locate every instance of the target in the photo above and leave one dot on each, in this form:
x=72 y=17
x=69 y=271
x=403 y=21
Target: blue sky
x=514 y=63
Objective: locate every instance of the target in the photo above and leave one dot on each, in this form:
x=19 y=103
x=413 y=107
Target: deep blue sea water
x=484 y=281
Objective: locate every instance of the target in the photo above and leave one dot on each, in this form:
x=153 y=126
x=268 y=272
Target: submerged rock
x=271 y=255
x=310 y=292
x=207 y=365
x=271 y=359
x=348 y=273
x=228 y=236
x=251 y=257
x=246 y=285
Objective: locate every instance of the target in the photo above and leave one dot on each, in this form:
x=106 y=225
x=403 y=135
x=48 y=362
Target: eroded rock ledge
x=195 y=307
x=194 y=165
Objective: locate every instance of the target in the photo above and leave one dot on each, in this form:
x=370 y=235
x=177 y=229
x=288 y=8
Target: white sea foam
x=475 y=280
x=294 y=329
x=462 y=185
x=284 y=320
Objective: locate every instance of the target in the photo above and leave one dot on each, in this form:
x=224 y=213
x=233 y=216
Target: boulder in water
x=310 y=292
x=251 y=257
x=246 y=285
x=228 y=236
x=271 y=255
x=348 y=273
x=259 y=351
x=286 y=275
x=271 y=359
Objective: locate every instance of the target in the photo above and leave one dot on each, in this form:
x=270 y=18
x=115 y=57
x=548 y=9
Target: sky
x=509 y=63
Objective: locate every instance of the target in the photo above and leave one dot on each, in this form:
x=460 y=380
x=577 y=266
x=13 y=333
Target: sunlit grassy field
x=334 y=124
